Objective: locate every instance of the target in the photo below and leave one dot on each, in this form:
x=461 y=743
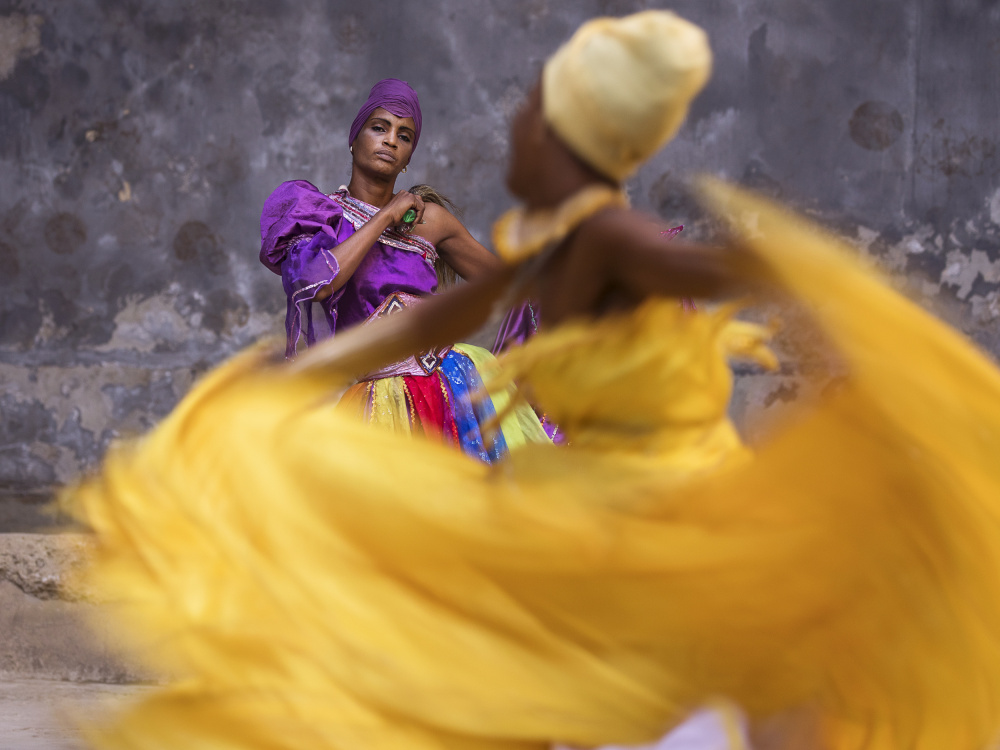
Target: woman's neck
x=562 y=176
x=559 y=192
x=376 y=192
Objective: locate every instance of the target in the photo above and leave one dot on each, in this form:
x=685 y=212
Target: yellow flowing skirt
x=318 y=584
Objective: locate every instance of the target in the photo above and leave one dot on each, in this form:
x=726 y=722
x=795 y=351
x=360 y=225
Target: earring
x=404 y=169
x=352 y=149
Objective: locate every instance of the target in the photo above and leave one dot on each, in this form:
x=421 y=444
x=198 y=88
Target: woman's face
x=385 y=143
x=528 y=135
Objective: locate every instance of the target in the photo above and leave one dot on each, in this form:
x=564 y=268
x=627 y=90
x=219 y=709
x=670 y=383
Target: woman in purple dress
x=348 y=258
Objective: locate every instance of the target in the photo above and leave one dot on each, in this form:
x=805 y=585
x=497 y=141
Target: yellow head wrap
x=620 y=88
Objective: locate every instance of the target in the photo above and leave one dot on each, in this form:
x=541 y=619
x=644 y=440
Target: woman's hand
x=352 y=250
x=396 y=209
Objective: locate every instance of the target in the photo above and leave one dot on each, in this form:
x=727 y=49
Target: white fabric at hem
x=703 y=730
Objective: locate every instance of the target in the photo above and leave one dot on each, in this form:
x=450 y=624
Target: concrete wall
x=138 y=140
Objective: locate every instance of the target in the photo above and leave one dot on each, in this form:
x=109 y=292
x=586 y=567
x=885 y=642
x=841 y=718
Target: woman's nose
x=389 y=139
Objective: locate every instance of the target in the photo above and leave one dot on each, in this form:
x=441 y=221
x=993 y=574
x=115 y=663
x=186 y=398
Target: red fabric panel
x=431 y=408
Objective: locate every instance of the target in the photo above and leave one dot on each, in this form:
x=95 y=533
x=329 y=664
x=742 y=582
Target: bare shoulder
x=617 y=226
x=622 y=219
x=434 y=213
x=439 y=223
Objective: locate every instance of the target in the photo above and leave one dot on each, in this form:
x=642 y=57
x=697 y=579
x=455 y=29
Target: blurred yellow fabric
x=320 y=584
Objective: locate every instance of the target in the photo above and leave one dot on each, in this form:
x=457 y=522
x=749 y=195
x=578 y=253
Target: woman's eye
x=405 y=137
x=378 y=128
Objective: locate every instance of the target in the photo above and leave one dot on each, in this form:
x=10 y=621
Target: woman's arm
x=629 y=249
x=620 y=246
x=457 y=247
x=352 y=250
x=439 y=321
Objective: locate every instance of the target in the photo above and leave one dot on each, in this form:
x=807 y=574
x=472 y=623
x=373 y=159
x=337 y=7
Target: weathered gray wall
x=138 y=140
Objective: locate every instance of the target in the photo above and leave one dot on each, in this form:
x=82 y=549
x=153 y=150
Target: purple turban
x=392 y=95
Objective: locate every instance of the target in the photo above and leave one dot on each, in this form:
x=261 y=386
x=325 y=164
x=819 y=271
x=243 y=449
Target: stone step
x=31 y=512
x=38 y=714
x=50 y=628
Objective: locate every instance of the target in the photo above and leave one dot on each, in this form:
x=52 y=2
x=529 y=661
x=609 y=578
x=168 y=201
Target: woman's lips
x=386 y=156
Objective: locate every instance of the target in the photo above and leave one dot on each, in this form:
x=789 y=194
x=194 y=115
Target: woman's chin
x=383 y=169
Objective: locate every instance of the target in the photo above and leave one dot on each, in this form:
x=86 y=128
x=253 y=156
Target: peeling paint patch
x=785 y=393
x=25 y=427
x=155 y=398
x=866 y=238
x=986 y=308
x=65 y=233
x=994 y=206
x=897 y=256
x=20 y=37
x=143 y=324
x=963 y=271
x=56 y=422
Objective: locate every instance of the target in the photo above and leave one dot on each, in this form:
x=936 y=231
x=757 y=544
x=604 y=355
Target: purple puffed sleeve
x=296 y=208
x=299 y=227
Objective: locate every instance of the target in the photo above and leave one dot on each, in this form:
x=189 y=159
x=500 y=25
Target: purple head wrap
x=392 y=95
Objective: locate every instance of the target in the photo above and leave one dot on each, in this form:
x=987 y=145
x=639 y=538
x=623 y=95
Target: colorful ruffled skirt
x=443 y=395
x=447 y=406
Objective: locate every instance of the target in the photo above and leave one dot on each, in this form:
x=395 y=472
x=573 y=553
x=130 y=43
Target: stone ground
x=34 y=714
x=57 y=655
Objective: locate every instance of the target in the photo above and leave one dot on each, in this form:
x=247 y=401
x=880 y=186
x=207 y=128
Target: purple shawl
x=392 y=95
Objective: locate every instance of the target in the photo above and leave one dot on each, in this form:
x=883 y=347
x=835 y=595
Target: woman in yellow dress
x=364 y=591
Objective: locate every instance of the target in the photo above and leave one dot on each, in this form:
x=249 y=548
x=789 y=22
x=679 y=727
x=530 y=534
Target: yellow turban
x=620 y=88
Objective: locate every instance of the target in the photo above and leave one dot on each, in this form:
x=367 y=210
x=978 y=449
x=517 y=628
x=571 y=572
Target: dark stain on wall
x=28 y=87
x=196 y=245
x=65 y=233
x=224 y=311
x=63 y=310
x=19 y=324
x=194 y=239
x=10 y=264
x=876 y=125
